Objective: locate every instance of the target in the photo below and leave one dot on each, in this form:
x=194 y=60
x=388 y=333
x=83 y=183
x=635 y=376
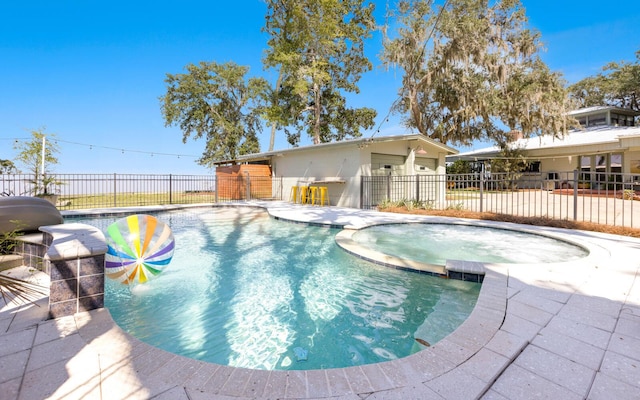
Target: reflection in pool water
x=249 y=291
x=436 y=243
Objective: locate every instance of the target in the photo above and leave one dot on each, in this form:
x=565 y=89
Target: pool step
x=10 y=261
x=471 y=271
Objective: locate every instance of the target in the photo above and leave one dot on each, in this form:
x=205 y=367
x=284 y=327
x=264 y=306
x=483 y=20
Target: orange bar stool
x=324 y=195
x=294 y=194
x=304 y=194
x=313 y=193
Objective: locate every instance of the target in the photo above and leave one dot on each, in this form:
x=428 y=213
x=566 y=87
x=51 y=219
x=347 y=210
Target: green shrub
x=457 y=207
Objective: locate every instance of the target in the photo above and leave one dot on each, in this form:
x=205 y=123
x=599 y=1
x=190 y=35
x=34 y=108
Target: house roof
x=595 y=109
x=360 y=142
x=548 y=145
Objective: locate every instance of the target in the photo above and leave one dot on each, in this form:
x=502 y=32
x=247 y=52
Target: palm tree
x=20 y=290
x=17 y=289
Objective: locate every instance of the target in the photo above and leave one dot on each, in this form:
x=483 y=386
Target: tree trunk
x=272 y=139
x=317 y=107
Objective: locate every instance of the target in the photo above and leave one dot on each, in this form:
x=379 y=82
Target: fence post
x=482 y=189
x=417 y=188
x=170 y=190
x=115 y=191
x=575 y=194
x=389 y=187
x=215 y=187
x=361 y=191
x=248 y=186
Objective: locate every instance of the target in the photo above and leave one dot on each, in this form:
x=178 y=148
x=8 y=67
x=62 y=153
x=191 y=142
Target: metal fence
x=603 y=198
x=82 y=191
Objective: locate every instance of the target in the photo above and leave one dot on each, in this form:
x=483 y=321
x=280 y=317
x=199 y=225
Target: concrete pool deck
x=557 y=331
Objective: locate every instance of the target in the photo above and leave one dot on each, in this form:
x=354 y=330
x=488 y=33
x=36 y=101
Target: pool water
x=436 y=243
x=246 y=290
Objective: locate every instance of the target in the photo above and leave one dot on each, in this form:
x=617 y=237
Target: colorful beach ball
x=140 y=248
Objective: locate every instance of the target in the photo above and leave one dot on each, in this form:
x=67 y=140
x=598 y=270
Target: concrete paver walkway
x=556 y=331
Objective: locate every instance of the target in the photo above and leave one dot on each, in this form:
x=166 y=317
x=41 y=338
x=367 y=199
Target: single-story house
x=340 y=166
x=607 y=143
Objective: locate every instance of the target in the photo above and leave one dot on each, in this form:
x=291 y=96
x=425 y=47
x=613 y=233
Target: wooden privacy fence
x=242 y=182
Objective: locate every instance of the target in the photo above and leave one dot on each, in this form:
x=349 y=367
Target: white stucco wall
x=301 y=167
x=563 y=164
x=630 y=162
x=347 y=163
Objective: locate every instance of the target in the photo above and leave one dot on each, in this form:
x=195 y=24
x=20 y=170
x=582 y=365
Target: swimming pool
x=247 y=290
x=435 y=243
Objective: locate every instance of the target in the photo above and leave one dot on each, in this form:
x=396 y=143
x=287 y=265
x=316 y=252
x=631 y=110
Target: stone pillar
x=76 y=285
x=75 y=263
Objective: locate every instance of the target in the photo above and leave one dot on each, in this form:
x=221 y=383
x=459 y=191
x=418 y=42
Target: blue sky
x=92 y=72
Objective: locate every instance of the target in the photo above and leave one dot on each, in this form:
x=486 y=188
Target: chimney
x=515 y=135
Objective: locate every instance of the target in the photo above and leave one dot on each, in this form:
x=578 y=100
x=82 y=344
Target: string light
x=122 y=150
x=151 y=153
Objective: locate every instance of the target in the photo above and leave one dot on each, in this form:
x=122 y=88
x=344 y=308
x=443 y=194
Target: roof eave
x=360 y=141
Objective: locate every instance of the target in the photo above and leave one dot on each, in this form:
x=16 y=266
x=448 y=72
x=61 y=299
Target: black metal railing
x=82 y=191
x=603 y=198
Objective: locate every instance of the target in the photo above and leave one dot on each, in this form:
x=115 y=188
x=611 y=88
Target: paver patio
x=557 y=331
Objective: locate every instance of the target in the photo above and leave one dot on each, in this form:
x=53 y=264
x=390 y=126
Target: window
x=585 y=168
x=597 y=120
x=532 y=167
x=622 y=120
x=617 y=120
x=616 y=163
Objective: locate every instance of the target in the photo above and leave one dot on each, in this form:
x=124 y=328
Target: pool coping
x=453 y=351
x=472 y=358
x=456 y=349
x=344 y=240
